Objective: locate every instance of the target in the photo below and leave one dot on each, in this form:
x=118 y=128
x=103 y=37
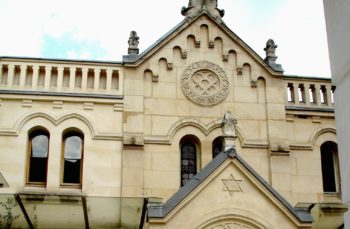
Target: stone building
x=338 y=18
x=198 y=131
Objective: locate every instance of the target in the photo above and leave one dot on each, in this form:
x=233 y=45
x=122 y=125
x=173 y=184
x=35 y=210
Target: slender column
x=11 y=69
x=109 y=80
x=317 y=95
x=22 y=78
x=97 y=79
x=307 y=94
x=72 y=71
x=60 y=70
x=296 y=93
x=84 y=78
x=1 y=73
x=35 y=76
x=120 y=82
x=48 y=70
x=329 y=95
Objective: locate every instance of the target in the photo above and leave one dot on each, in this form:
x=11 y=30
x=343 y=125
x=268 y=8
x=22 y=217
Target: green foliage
x=7 y=217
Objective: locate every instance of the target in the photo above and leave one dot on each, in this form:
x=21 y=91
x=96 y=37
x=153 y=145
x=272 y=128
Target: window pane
x=328 y=167
x=73 y=153
x=188 y=162
x=73 y=148
x=39 y=151
x=40 y=146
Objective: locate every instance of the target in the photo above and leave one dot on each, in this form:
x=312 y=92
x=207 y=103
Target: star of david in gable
x=232 y=185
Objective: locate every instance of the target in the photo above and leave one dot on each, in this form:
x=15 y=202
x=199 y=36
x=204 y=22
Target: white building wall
x=337 y=15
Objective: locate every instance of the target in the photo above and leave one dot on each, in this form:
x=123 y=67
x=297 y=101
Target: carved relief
x=205 y=83
x=197 y=44
x=211 y=44
x=232 y=185
x=231 y=225
x=170 y=66
x=184 y=54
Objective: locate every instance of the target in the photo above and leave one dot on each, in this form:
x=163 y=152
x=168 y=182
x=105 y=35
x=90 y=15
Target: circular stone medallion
x=205 y=83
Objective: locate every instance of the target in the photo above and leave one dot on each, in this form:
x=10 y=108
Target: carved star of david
x=232 y=185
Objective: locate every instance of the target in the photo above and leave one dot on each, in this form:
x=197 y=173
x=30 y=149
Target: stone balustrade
x=309 y=93
x=60 y=76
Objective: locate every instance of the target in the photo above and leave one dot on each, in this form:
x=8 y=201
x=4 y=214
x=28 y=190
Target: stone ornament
x=133 y=43
x=232 y=185
x=231 y=225
x=205 y=83
x=228 y=124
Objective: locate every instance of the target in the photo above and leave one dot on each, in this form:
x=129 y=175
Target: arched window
x=189 y=149
x=73 y=152
x=38 y=157
x=330 y=171
x=217 y=146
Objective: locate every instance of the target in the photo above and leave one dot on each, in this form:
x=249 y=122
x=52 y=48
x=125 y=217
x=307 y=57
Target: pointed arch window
x=38 y=157
x=217 y=146
x=330 y=168
x=189 y=146
x=73 y=152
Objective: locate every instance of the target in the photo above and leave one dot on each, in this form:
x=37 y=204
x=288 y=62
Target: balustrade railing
x=308 y=92
x=56 y=76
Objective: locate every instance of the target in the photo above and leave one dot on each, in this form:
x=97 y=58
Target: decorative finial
x=196 y=6
x=133 y=43
x=271 y=57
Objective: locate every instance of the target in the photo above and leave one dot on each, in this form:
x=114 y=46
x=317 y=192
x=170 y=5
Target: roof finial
x=196 y=6
x=133 y=43
x=271 y=57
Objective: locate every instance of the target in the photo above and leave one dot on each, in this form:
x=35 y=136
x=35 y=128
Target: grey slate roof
x=162 y=210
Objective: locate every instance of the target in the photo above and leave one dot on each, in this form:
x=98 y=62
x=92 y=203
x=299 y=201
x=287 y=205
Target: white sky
x=99 y=30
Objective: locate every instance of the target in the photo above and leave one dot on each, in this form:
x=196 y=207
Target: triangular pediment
x=228 y=191
x=193 y=38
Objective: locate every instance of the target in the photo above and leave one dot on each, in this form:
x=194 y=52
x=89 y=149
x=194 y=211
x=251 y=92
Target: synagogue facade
x=197 y=131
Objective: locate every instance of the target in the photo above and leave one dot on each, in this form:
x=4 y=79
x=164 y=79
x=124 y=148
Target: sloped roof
x=162 y=210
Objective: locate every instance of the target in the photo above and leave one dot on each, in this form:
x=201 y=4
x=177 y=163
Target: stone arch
x=232 y=58
x=191 y=40
x=219 y=45
x=205 y=129
x=204 y=37
x=177 y=53
x=162 y=63
x=322 y=135
x=232 y=220
x=55 y=121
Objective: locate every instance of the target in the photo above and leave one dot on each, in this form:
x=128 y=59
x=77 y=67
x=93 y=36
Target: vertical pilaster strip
x=307 y=94
x=72 y=71
x=329 y=95
x=109 y=80
x=11 y=69
x=296 y=93
x=317 y=95
x=97 y=79
x=60 y=70
x=35 y=76
x=120 y=81
x=1 y=73
x=48 y=70
x=22 y=78
x=84 y=79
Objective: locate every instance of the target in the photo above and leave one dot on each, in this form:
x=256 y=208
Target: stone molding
x=205 y=83
x=96 y=135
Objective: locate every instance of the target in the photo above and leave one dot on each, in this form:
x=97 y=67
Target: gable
x=225 y=192
x=200 y=38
